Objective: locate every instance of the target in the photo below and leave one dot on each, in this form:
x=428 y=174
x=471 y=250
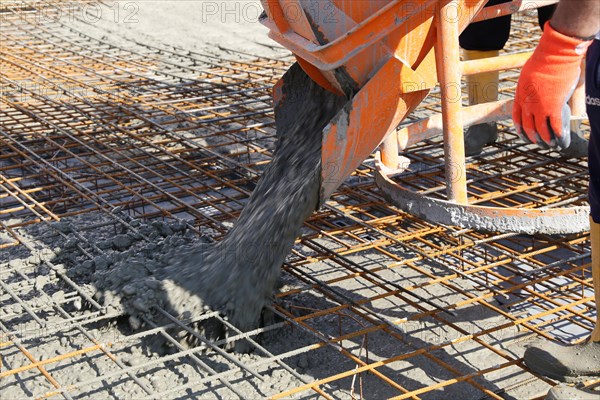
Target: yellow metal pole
x=577 y=102
x=389 y=151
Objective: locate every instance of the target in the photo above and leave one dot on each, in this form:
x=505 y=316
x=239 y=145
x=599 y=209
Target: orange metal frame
x=385 y=50
x=451 y=123
x=393 y=53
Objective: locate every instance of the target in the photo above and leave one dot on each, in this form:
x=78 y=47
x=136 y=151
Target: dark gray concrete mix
x=123 y=279
x=564 y=363
x=160 y=265
x=237 y=275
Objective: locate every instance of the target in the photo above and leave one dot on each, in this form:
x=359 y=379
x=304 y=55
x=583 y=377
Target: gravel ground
x=65 y=245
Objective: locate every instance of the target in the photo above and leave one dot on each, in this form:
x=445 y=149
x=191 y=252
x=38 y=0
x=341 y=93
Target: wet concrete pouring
x=164 y=266
x=122 y=282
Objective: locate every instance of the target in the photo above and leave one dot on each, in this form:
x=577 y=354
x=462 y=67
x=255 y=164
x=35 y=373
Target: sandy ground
x=195 y=25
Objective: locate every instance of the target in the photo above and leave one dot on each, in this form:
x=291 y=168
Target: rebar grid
x=375 y=303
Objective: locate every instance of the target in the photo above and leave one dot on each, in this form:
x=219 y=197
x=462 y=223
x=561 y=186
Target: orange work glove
x=546 y=84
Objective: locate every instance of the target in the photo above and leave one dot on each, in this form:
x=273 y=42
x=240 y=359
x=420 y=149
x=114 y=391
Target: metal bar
x=449 y=76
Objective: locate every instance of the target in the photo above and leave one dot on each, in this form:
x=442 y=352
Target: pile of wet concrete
x=115 y=260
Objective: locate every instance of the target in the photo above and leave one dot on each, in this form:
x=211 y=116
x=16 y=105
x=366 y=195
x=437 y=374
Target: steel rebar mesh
x=96 y=140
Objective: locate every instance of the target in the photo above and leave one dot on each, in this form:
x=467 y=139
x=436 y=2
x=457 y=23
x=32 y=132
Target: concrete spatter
x=186 y=276
x=239 y=274
x=169 y=239
x=563 y=362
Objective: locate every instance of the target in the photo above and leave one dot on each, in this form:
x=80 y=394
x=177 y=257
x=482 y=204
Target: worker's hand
x=547 y=81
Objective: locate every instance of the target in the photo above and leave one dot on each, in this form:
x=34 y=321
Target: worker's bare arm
x=577 y=18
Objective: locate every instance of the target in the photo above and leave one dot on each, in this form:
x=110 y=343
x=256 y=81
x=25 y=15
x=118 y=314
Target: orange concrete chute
x=378 y=53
